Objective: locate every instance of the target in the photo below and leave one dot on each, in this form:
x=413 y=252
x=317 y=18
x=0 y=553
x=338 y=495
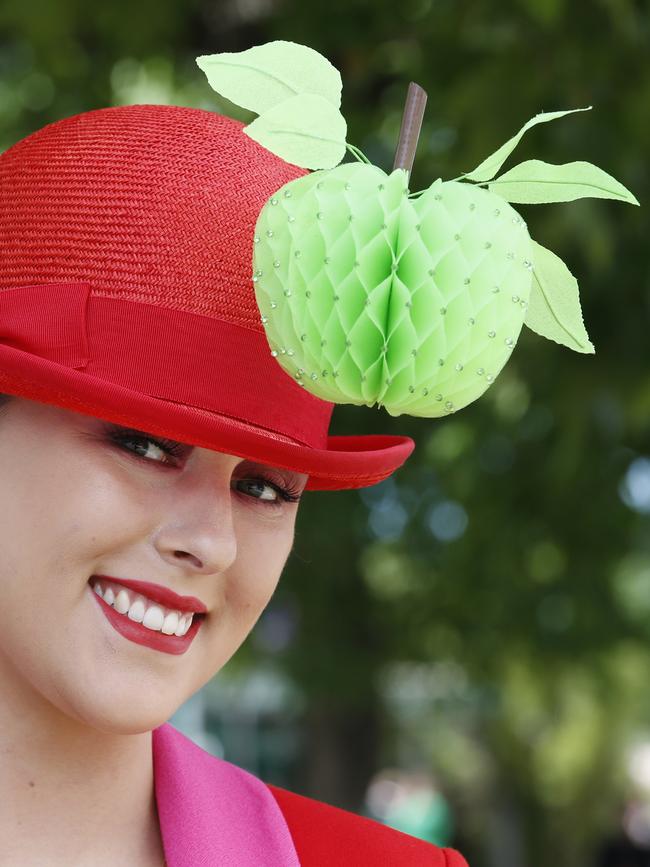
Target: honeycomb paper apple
x=370 y=294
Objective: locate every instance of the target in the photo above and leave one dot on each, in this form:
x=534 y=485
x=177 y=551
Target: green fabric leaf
x=534 y=182
x=305 y=130
x=490 y=166
x=264 y=76
x=554 y=303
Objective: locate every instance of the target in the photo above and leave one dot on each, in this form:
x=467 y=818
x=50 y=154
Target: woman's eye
x=163 y=447
x=271 y=493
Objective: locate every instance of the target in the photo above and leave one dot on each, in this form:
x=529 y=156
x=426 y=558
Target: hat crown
x=150 y=203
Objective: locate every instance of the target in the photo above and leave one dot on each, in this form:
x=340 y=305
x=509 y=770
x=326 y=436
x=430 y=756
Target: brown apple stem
x=416 y=99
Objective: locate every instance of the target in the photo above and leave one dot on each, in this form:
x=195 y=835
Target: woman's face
x=75 y=503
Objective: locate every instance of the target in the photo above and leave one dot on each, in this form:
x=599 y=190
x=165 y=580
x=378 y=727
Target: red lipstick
x=136 y=632
x=158 y=593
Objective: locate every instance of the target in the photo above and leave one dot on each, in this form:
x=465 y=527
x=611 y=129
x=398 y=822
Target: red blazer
x=214 y=814
x=326 y=836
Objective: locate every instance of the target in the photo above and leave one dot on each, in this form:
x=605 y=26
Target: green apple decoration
x=370 y=294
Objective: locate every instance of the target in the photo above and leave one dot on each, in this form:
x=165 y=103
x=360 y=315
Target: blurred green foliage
x=486 y=610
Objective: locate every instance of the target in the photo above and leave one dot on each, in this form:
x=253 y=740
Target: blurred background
x=462 y=651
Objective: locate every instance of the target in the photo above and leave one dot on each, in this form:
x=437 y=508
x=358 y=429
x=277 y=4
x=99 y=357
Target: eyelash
x=287 y=493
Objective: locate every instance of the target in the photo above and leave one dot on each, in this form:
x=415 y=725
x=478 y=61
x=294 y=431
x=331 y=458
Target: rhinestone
x=257 y=239
x=481 y=371
x=487 y=245
x=327 y=260
x=314 y=376
x=459 y=366
x=274 y=201
x=336 y=297
x=489 y=377
x=425 y=391
x=407 y=304
x=438 y=397
x=303 y=337
x=287 y=292
x=492 y=333
x=456 y=237
x=287 y=194
x=255 y=279
x=258 y=273
x=356 y=265
x=297 y=375
x=366 y=302
x=418 y=227
x=510 y=255
x=276 y=264
x=528 y=265
x=516 y=220
x=273 y=353
x=283 y=351
x=411 y=389
x=437 y=197
x=384 y=225
x=495 y=289
x=264 y=319
x=323 y=342
x=414 y=352
x=515 y=298
x=269 y=233
x=291 y=218
x=319 y=215
x=308 y=293
x=334 y=374
x=471 y=321
x=363 y=379
x=393 y=267
x=319 y=185
x=297 y=254
x=466 y=281
x=472 y=207
x=273 y=305
x=349 y=220
x=300 y=382
x=300 y=371
x=388 y=381
x=443 y=310
x=431 y=272
x=290 y=352
x=348 y=186
x=348 y=343
x=497 y=212
x=449 y=405
x=441 y=362
x=324 y=373
x=509 y=341
x=381 y=187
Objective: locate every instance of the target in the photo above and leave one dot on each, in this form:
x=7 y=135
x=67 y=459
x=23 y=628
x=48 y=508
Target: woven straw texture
x=151 y=203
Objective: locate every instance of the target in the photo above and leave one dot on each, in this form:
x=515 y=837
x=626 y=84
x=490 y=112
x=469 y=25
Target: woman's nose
x=200 y=529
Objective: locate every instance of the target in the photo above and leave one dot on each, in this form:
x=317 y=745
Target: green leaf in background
x=264 y=76
x=305 y=130
x=554 y=303
x=490 y=166
x=534 y=182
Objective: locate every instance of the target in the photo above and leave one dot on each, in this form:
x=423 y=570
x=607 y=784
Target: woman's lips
x=139 y=634
x=158 y=593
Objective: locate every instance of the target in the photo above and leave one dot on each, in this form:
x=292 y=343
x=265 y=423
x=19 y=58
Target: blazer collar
x=211 y=812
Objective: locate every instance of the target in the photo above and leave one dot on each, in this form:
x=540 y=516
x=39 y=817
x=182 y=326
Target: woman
x=152 y=457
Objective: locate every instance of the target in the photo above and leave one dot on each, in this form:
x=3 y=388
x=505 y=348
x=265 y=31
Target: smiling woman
x=150 y=448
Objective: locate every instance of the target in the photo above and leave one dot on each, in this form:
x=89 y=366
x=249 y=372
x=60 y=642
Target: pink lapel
x=213 y=813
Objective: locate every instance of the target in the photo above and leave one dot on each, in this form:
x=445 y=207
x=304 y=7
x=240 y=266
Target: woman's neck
x=71 y=793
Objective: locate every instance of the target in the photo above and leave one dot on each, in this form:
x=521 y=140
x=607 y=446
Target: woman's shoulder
x=324 y=834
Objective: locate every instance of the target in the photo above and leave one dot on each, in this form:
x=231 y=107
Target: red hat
x=126 y=290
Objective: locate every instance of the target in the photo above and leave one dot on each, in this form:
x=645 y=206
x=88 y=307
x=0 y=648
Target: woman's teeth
x=144 y=611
